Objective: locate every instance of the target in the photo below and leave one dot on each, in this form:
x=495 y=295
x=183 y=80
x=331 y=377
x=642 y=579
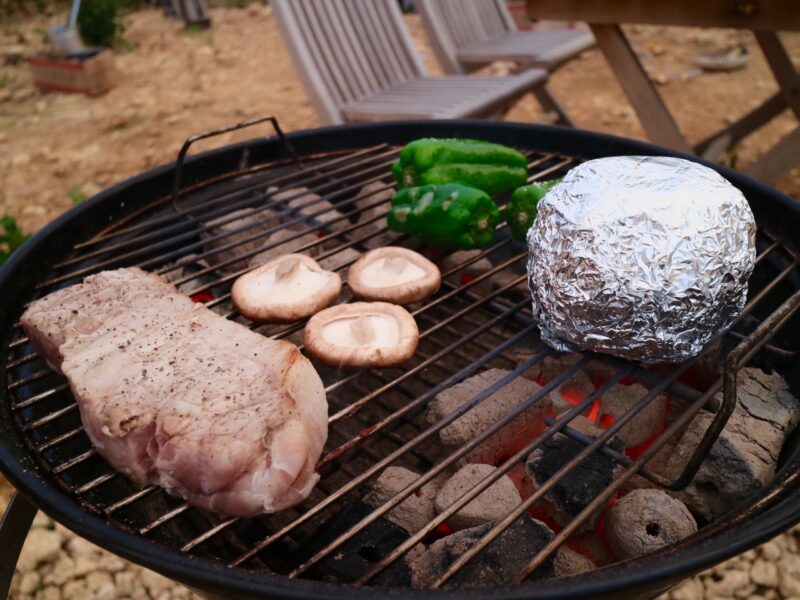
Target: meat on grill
x=171 y=393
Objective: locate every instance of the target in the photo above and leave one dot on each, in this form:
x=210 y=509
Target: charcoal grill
x=376 y=416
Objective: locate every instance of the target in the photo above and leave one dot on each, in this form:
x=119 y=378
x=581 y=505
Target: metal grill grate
x=376 y=416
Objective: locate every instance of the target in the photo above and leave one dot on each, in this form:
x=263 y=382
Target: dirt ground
x=56 y=149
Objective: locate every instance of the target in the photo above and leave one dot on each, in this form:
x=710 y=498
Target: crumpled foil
x=645 y=258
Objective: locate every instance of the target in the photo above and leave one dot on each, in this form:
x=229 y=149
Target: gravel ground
x=57 y=564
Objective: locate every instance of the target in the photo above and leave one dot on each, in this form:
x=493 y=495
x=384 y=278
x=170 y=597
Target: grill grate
x=376 y=417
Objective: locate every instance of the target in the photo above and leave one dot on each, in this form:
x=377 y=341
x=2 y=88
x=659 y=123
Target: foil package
x=645 y=258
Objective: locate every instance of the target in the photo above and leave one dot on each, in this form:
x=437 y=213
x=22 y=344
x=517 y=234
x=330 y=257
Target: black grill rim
x=17 y=282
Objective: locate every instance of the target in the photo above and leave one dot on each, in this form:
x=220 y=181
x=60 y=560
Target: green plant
x=11 y=238
x=5 y=79
x=76 y=194
x=731 y=158
x=98 y=21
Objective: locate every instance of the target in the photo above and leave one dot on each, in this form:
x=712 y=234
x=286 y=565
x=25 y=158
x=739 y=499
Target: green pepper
x=450 y=216
x=521 y=210
x=489 y=167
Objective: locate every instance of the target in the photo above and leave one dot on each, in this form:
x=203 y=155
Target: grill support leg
x=13 y=530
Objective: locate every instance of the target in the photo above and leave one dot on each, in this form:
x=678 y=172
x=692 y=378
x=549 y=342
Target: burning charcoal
x=549 y=367
x=645 y=425
x=306 y=203
x=464 y=275
x=646 y=520
x=578 y=488
x=743 y=459
x=258 y=222
x=593 y=547
x=505 y=276
x=507 y=440
x=467 y=274
x=358 y=554
x=413 y=513
x=552 y=366
x=284 y=247
x=494 y=503
x=371 y=196
x=568 y=563
x=496 y=564
x=573 y=391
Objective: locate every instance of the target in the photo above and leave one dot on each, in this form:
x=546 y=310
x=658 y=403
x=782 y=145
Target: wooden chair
x=357 y=63
x=468 y=34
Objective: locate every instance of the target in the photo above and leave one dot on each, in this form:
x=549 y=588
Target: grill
x=377 y=417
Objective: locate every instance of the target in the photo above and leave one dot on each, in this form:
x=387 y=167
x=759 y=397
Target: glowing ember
x=606 y=421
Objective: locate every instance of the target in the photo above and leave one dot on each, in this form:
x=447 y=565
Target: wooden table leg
x=653 y=113
x=776 y=162
x=782 y=67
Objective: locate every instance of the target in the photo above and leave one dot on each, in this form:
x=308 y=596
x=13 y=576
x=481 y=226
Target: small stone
x=771 y=550
x=155 y=583
x=746 y=591
x=255 y=9
x=727 y=586
x=125 y=582
x=13 y=55
x=764 y=573
x=51 y=592
x=691 y=589
x=101 y=586
x=63 y=569
x=42 y=545
x=75 y=589
x=29 y=583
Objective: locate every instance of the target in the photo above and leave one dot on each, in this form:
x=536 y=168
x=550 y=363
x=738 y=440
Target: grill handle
x=176 y=182
x=739 y=357
x=13 y=530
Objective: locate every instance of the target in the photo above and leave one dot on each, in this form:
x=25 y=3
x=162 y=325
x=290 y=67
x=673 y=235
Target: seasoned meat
x=171 y=393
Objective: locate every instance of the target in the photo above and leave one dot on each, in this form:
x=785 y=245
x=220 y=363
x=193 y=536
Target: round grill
x=168 y=221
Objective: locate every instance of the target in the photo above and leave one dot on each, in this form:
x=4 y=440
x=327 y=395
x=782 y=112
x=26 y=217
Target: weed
x=11 y=238
x=731 y=158
x=5 y=79
x=76 y=194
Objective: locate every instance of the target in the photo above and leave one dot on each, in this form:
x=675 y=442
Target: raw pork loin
x=173 y=394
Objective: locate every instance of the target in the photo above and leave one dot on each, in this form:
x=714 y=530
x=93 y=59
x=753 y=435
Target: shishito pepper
x=521 y=209
x=489 y=167
x=450 y=216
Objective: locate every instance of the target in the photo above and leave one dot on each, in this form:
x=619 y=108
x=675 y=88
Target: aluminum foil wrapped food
x=641 y=257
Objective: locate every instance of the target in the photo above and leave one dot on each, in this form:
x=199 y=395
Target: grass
x=5 y=79
x=76 y=194
x=11 y=237
x=731 y=158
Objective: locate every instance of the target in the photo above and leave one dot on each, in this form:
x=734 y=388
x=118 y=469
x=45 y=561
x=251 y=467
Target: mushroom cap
x=371 y=275
x=287 y=288
x=362 y=334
